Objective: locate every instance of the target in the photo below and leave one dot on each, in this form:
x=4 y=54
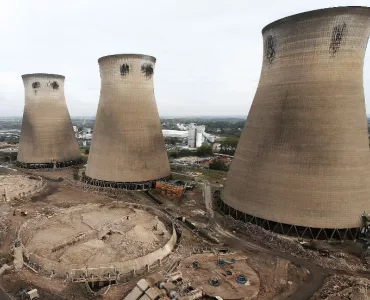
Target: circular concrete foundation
x=18 y=186
x=125 y=237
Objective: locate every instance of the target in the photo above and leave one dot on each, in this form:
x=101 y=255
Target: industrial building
x=47 y=138
x=197 y=136
x=302 y=164
x=174 y=133
x=127 y=148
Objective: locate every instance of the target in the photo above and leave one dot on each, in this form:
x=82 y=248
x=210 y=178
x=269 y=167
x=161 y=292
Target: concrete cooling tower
x=127 y=149
x=47 y=138
x=302 y=164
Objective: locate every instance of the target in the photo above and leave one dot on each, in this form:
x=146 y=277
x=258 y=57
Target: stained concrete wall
x=303 y=157
x=127 y=144
x=47 y=132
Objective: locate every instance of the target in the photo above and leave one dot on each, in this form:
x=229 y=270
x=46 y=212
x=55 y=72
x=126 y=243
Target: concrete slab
x=135 y=294
x=169 y=287
x=152 y=294
x=155 y=278
x=142 y=284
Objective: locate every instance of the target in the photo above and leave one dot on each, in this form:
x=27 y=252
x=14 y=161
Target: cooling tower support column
x=47 y=138
x=302 y=164
x=127 y=149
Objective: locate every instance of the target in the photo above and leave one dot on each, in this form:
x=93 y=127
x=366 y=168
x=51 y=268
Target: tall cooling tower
x=127 y=149
x=302 y=163
x=47 y=138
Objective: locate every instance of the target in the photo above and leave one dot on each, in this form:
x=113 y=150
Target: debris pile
x=4 y=227
x=344 y=287
x=332 y=260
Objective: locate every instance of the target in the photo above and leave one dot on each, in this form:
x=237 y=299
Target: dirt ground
x=226 y=273
x=278 y=277
x=60 y=195
x=116 y=234
x=47 y=288
x=18 y=186
x=344 y=287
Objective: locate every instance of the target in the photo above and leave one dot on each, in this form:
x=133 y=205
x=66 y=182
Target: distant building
x=197 y=135
x=174 y=133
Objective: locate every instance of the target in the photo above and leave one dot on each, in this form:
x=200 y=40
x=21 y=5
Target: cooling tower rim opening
x=129 y=55
x=365 y=10
x=42 y=75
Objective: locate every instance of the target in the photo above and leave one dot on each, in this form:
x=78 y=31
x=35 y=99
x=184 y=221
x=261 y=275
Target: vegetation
x=218 y=164
x=85 y=150
x=180 y=153
x=75 y=176
x=8 y=156
x=228 y=145
x=172 y=140
x=205 y=150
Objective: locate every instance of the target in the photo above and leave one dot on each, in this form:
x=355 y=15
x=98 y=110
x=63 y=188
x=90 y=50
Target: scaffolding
x=134 y=186
x=329 y=234
x=51 y=165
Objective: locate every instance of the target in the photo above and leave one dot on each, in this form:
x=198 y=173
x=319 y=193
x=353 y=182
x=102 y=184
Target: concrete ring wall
x=132 y=266
x=38 y=187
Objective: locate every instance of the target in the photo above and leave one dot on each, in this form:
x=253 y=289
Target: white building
x=174 y=133
x=197 y=135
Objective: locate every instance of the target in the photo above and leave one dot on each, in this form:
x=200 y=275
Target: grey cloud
x=208 y=52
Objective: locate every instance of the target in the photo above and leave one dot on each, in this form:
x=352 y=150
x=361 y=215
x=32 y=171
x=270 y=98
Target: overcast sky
x=209 y=52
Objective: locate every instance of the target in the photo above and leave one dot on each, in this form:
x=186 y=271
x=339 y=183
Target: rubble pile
x=335 y=260
x=4 y=227
x=343 y=287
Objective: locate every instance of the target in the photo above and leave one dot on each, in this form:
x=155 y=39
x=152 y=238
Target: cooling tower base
x=58 y=165
x=288 y=229
x=138 y=185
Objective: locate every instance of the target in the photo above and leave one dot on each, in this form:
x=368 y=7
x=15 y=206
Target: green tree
x=228 y=145
x=204 y=150
x=218 y=164
x=172 y=140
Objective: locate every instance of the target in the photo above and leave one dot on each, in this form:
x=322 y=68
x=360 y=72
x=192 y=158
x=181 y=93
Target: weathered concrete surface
x=47 y=132
x=303 y=157
x=127 y=144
